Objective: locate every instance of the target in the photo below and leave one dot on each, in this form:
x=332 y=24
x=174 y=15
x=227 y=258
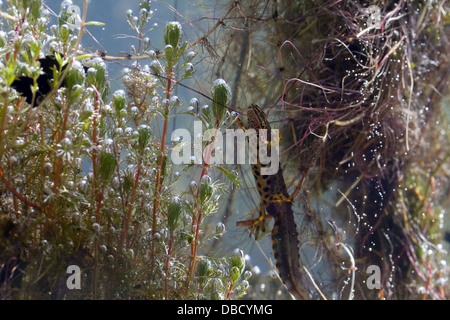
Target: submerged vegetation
x=357 y=88
x=86 y=179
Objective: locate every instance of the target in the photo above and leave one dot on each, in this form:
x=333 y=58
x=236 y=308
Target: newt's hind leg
x=279 y=197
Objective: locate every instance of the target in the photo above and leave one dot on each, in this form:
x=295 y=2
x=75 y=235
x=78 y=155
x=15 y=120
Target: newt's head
x=257 y=118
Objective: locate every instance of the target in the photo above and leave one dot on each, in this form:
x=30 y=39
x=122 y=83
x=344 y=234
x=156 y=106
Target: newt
x=275 y=203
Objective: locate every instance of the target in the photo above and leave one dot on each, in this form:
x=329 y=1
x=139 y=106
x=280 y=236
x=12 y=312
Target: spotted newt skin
x=276 y=201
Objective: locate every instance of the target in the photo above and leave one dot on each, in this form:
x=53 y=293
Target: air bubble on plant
x=70 y=185
x=20 y=142
x=174 y=102
x=156 y=68
x=90 y=91
x=193 y=186
x=13 y=160
x=134 y=111
x=143 y=15
x=76 y=217
x=206 y=179
x=189 y=70
x=194 y=103
x=82 y=185
x=244 y=285
x=65 y=4
x=237 y=258
x=191 y=54
x=48 y=168
x=66 y=142
x=220 y=228
x=129 y=13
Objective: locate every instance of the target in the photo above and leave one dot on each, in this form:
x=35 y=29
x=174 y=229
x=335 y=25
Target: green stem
x=169 y=253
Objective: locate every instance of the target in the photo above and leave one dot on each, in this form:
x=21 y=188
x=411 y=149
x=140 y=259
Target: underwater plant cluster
x=89 y=202
x=92 y=207
x=358 y=89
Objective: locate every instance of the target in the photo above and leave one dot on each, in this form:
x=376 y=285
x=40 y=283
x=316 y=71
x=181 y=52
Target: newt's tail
x=286 y=251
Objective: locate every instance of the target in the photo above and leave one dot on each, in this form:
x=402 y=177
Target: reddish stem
x=427 y=285
x=197 y=221
x=99 y=194
x=229 y=291
x=126 y=223
x=59 y=163
x=17 y=194
x=160 y=164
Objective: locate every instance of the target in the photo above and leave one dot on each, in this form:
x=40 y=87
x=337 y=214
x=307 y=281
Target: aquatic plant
x=85 y=178
x=357 y=88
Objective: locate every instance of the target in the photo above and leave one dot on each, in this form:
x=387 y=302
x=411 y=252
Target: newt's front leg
x=271 y=188
x=259 y=224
